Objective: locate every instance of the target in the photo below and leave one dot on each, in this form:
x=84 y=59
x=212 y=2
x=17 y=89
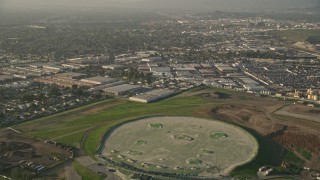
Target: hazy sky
x=187 y=4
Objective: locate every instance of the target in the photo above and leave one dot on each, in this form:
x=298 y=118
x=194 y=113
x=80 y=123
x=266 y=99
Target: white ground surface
x=168 y=153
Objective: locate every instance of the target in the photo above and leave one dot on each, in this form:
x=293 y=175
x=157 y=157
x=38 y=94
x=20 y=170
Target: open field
x=180 y=146
x=298 y=35
x=301 y=112
x=86 y=173
x=306 y=46
x=84 y=127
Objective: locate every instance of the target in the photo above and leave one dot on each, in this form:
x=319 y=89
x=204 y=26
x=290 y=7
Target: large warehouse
x=224 y=68
x=71 y=75
x=122 y=90
x=152 y=95
x=99 y=80
x=4 y=78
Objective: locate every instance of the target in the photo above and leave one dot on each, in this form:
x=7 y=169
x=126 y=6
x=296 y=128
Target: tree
x=2 y=115
x=20 y=174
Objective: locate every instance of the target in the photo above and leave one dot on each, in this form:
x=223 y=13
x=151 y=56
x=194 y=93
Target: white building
x=152 y=95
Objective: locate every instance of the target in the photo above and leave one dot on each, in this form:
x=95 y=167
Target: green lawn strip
x=67 y=115
x=65 y=122
x=72 y=139
x=124 y=110
x=194 y=161
x=218 y=135
x=292 y=158
x=131 y=109
x=86 y=173
x=156 y=125
x=305 y=153
x=95 y=137
x=53 y=133
x=64 y=126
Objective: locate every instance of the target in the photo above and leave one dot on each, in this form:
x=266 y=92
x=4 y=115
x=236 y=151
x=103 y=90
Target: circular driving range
x=183 y=145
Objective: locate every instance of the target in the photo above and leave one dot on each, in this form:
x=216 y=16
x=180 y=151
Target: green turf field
x=218 y=135
x=85 y=173
x=156 y=125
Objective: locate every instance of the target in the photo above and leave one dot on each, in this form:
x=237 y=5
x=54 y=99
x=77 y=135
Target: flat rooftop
x=121 y=88
x=99 y=79
x=6 y=77
x=154 y=94
x=71 y=74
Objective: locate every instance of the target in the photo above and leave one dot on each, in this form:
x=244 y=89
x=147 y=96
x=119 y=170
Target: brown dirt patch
x=288 y=131
x=304 y=110
x=293 y=137
x=250 y=116
x=14 y=148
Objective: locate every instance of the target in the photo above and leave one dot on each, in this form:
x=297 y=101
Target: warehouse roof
x=6 y=77
x=99 y=79
x=153 y=95
x=121 y=88
x=71 y=75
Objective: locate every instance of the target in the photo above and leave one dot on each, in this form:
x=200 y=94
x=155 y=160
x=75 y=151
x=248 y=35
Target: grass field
x=298 y=35
x=305 y=153
x=92 y=121
x=194 y=161
x=135 y=153
x=156 y=125
x=86 y=173
x=70 y=126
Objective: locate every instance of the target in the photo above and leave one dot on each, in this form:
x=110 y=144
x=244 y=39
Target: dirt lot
x=247 y=110
x=304 y=110
x=258 y=113
x=305 y=45
x=249 y=116
x=19 y=150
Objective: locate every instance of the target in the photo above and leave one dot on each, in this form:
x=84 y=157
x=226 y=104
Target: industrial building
x=152 y=95
x=73 y=65
x=113 y=67
x=204 y=65
x=122 y=90
x=71 y=75
x=63 y=82
x=99 y=80
x=194 y=65
x=224 y=68
x=55 y=68
x=104 y=86
x=161 y=71
x=4 y=78
x=312 y=95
